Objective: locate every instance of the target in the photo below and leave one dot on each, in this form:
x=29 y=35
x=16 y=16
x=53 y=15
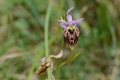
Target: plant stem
x=57 y=72
x=46 y=35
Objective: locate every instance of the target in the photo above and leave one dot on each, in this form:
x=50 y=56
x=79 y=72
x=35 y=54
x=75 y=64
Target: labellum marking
x=71 y=36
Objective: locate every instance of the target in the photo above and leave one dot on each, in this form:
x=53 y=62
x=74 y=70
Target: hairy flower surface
x=71 y=32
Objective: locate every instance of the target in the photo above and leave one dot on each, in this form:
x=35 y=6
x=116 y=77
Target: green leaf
x=70 y=58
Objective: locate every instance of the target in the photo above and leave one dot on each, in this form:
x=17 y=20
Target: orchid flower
x=71 y=32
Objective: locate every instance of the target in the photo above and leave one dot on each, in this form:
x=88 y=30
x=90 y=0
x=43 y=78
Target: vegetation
x=22 y=40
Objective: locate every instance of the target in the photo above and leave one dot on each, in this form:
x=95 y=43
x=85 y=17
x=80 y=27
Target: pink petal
x=42 y=59
x=63 y=23
x=77 y=21
x=69 y=17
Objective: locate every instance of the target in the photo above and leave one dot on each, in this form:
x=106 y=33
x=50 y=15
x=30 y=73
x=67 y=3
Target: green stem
x=46 y=35
x=57 y=72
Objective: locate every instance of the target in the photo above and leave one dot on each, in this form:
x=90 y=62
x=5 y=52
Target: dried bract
x=46 y=62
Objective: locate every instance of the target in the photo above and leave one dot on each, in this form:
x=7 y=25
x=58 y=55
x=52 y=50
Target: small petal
x=63 y=26
x=63 y=23
x=68 y=12
x=69 y=17
x=77 y=21
x=42 y=59
x=57 y=56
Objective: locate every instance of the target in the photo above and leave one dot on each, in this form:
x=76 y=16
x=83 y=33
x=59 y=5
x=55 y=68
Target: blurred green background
x=22 y=39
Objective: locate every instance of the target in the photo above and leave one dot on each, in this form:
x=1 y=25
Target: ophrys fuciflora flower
x=71 y=32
